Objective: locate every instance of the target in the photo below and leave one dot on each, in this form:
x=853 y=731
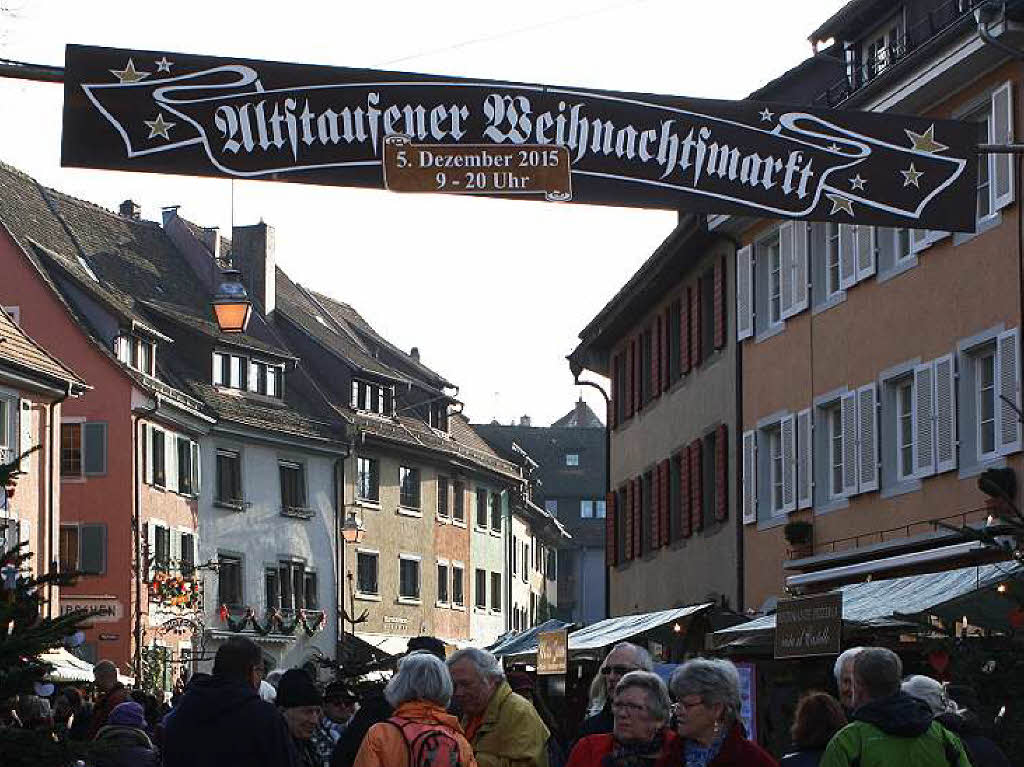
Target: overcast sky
x=493 y=292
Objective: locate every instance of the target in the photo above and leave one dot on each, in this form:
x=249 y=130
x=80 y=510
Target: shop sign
x=100 y=609
x=176 y=113
x=553 y=652
x=807 y=626
x=109 y=637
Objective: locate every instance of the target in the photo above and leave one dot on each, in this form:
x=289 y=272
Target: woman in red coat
x=639 y=737
x=707 y=693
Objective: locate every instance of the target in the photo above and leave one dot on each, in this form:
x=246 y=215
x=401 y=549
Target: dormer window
x=265 y=378
x=137 y=353
x=234 y=371
x=373 y=398
x=882 y=47
x=438 y=415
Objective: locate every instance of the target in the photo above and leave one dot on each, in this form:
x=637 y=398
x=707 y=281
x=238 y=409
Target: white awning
x=619 y=629
x=70 y=668
x=392 y=644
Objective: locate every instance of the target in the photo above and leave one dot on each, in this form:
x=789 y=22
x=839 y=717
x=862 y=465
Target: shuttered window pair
x=83 y=445
x=170 y=550
x=171 y=461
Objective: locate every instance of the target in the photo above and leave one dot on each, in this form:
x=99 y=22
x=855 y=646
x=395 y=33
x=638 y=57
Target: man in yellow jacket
x=503 y=728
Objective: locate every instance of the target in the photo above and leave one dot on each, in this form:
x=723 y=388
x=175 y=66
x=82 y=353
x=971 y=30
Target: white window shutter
x=175 y=566
x=150 y=532
x=866 y=247
x=171 y=461
x=848 y=414
x=804 y=460
x=945 y=413
x=196 y=471
x=924 y=420
x=1001 y=165
x=749 y=477
x=786 y=270
x=867 y=437
x=847 y=256
x=744 y=292
x=801 y=265
x=787 y=428
x=1008 y=426
x=919 y=240
x=24 y=430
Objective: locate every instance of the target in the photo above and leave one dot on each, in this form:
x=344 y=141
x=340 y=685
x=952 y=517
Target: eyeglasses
x=620 y=670
x=682 y=704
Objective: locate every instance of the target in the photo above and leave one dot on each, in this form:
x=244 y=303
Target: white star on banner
x=159 y=127
x=911 y=176
x=163 y=65
x=840 y=203
x=766 y=115
x=857 y=182
x=129 y=74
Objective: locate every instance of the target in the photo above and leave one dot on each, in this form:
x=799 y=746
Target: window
x=768 y=277
x=229 y=581
x=442 y=582
x=592 y=509
x=457 y=586
x=161 y=554
x=272 y=582
x=646 y=516
x=229 y=478
x=831 y=259
x=515 y=555
x=372 y=398
x=706 y=284
x=409 y=492
x=83 y=548
x=188 y=555
x=709 y=486
x=265 y=378
x=985 y=403
x=774 y=436
x=70 y=449
x=551 y=571
x=229 y=370
x=137 y=353
x=293 y=484
x=366 y=572
x=437 y=415
x=905 y=429
x=442 y=497
x=481 y=508
x=620 y=387
x=157 y=460
x=646 y=352
x=834 y=416
x=983 y=119
x=459 y=502
x=188 y=466
x=901 y=244
x=881 y=48
x=310 y=591
x=525 y=572
x=674 y=333
x=572 y=459
x=773 y=253
x=408 y=577
x=292 y=582
x=496 y=592
x=368 y=479
x=496 y=512
x=481 y=589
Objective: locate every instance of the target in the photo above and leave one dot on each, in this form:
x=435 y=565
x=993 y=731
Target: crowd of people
x=465 y=711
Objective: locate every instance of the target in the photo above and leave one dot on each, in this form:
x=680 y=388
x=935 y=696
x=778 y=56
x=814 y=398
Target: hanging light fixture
x=231 y=304
x=352 y=530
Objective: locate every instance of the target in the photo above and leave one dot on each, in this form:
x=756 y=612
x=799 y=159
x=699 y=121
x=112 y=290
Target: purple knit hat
x=128 y=714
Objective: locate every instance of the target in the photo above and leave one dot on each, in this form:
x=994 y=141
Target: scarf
x=634 y=754
x=697 y=755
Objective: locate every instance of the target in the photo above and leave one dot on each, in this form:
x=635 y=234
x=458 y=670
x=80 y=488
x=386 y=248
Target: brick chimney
x=415 y=353
x=252 y=251
x=130 y=209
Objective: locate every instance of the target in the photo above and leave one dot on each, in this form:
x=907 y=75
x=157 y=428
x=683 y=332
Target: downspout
x=339 y=545
x=607 y=478
x=51 y=459
x=137 y=535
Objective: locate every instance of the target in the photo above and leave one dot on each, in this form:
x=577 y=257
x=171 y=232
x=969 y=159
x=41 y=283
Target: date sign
x=496 y=170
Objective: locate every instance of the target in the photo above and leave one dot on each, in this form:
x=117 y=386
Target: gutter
x=52 y=472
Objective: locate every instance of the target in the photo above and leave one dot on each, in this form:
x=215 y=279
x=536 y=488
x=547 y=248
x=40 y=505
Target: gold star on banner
x=857 y=182
x=163 y=65
x=840 y=203
x=129 y=74
x=159 y=127
x=911 y=176
x=925 y=142
x=766 y=116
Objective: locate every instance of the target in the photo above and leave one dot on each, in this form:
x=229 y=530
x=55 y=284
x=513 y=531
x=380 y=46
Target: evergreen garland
x=273 y=620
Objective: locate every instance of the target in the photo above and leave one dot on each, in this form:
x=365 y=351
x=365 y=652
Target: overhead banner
x=240 y=118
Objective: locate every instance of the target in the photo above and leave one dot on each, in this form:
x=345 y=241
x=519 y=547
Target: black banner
x=240 y=118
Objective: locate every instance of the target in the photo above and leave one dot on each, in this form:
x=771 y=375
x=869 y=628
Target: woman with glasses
x=620 y=660
x=640 y=736
x=707 y=693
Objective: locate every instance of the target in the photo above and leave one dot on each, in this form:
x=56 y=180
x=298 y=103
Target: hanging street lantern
x=231 y=304
x=352 y=530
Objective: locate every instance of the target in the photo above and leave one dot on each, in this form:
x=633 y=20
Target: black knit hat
x=429 y=644
x=296 y=689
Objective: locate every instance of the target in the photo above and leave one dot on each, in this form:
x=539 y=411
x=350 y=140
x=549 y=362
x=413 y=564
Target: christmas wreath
x=310 y=621
x=175 y=591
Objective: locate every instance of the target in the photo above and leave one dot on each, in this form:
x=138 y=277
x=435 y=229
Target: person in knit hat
x=301 y=704
x=123 y=742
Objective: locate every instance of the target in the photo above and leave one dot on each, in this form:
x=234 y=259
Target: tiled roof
x=17 y=348
x=580 y=417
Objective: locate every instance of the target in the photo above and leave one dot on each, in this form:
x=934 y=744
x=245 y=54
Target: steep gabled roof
x=580 y=417
x=19 y=350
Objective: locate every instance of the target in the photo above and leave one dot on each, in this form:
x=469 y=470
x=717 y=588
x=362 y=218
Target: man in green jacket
x=889 y=727
x=503 y=728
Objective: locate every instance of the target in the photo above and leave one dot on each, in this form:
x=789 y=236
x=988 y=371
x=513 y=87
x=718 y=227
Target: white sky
x=493 y=292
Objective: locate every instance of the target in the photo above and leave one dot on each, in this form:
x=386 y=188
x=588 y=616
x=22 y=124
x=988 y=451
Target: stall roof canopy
x=969 y=591
x=611 y=630
x=526 y=641
x=70 y=668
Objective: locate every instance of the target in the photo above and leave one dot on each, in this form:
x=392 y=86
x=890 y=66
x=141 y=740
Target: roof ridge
x=46 y=352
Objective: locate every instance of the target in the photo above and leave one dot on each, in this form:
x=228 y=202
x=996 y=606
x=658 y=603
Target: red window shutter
x=655 y=506
x=684 y=332
x=638 y=373
x=630 y=350
x=720 y=303
x=610 y=538
x=656 y=357
x=722 y=473
x=665 y=352
x=666 y=499
x=627 y=498
x=684 y=493
x=613 y=399
x=696 y=485
x=695 y=350
x=638 y=524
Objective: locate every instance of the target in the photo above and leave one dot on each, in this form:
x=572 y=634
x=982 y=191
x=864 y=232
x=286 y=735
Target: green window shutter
x=94 y=440
x=93 y=549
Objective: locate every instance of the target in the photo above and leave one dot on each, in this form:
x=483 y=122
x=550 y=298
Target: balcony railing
x=917 y=527
x=866 y=69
